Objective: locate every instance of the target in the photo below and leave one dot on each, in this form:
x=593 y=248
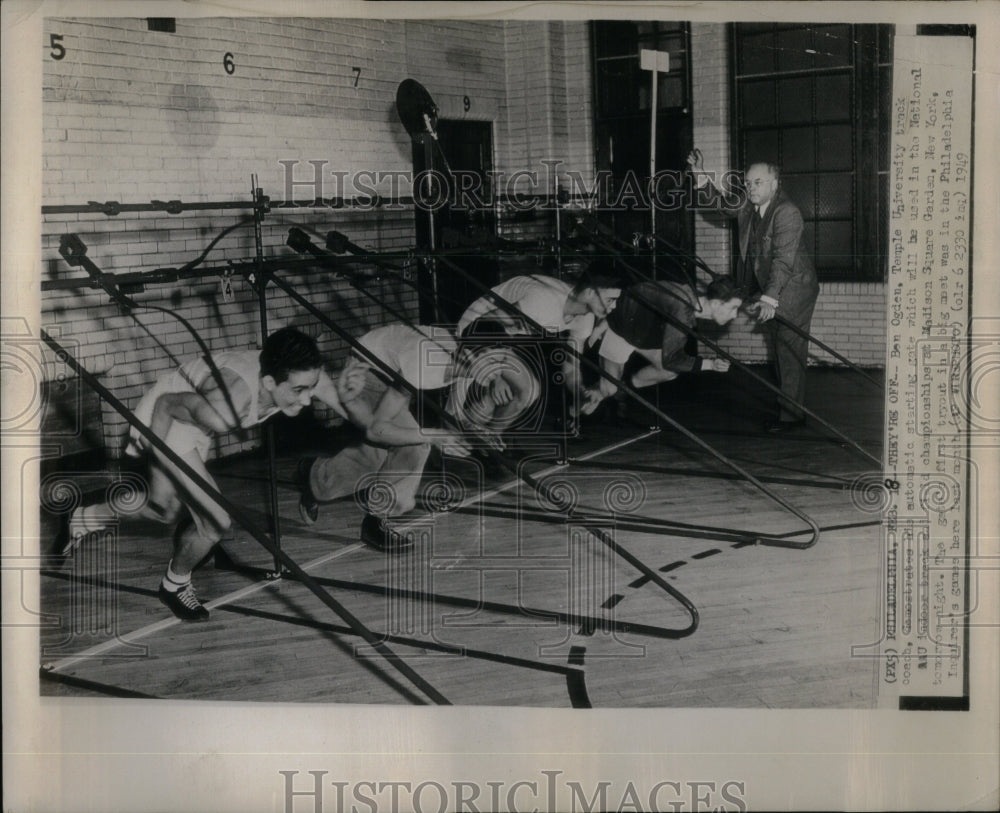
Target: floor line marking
x=166 y=623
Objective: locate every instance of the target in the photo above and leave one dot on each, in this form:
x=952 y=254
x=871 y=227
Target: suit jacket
x=783 y=268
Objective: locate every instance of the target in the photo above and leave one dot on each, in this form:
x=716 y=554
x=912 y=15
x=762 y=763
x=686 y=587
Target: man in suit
x=773 y=263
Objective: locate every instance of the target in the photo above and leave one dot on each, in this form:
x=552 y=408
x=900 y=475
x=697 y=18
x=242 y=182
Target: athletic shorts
x=181 y=437
x=615 y=348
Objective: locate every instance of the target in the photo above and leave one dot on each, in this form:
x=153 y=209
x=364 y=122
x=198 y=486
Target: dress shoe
x=378 y=534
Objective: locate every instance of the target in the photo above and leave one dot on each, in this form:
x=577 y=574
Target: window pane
x=757 y=53
x=835 y=244
x=884 y=116
x=757 y=103
x=835 y=196
x=672 y=45
x=794 y=50
x=833 y=45
x=882 y=266
x=761 y=145
x=616 y=87
x=833 y=95
x=885 y=35
x=800 y=189
x=798 y=152
x=835 y=147
x=616 y=38
x=670 y=92
x=794 y=100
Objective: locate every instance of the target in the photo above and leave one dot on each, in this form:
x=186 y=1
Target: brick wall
x=849 y=316
x=132 y=116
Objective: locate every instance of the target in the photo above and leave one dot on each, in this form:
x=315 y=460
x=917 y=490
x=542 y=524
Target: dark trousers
x=790 y=352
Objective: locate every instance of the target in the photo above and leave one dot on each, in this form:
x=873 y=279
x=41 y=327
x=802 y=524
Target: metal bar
x=636 y=274
x=718 y=475
x=249 y=524
x=698 y=262
x=112 y=208
x=711 y=531
x=597 y=533
x=517 y=610
x=269 y=441
x=513 y=310
x=523 y=475
x=626 y=522
x=166 y=275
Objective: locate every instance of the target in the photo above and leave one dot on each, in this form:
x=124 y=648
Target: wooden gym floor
x=502 y=603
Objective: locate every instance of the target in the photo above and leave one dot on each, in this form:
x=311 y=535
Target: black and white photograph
x=602 y=396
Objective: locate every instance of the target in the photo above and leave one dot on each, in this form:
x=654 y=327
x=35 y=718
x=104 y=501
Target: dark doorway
x=464 y=220
x=622 y=128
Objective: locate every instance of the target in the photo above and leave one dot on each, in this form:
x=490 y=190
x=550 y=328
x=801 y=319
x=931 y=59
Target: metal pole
x=595 y=529
x=269 y=440
x=652 y=161
x=558 y=208
x=238 y=514
x=431 y=236
x=598 y=240
x=512 y=309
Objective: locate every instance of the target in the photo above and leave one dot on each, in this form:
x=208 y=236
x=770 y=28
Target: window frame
x=868 y=119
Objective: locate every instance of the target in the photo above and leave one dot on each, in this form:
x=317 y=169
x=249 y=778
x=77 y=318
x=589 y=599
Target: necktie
x=753 y=244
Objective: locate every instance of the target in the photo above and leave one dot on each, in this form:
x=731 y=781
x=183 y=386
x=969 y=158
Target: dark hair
x=600 y=273
x=286 y=351
x=723 y=289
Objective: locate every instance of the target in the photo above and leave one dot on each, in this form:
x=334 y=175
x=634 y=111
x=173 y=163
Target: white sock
x=173 y=582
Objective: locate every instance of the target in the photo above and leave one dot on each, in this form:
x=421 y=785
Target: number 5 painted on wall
x=58 y=49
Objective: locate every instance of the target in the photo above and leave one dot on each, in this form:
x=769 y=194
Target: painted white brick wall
x=132 y=116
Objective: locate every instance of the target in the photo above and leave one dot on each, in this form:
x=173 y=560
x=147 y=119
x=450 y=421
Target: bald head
x=762 y=182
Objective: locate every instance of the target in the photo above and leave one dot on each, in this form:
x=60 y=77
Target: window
x=815 y=100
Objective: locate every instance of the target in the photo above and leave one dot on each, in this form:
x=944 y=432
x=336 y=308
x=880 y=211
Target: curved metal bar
x=689 y=331
x=700 y=264
x=629 y=390
x=627 y=522
x=72 y=242
x=401 y=383
x=249 y=525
